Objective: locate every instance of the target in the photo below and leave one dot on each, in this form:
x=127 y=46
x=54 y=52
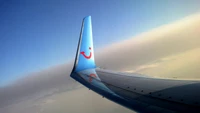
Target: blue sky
x=38 y=34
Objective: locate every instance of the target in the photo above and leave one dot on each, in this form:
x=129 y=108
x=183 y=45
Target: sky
x=38 y=34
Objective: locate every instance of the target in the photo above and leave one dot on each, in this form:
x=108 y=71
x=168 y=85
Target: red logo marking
x=88 y=57
x=91 y=77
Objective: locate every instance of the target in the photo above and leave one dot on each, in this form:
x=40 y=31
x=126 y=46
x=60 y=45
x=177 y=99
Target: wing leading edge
x=137 y=93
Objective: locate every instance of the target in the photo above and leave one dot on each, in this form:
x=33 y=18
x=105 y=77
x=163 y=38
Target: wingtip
x=86 y=17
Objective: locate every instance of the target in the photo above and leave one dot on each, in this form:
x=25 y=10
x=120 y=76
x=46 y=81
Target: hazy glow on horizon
x=170 y=51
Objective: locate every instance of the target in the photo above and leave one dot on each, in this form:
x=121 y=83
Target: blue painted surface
x=86 y=53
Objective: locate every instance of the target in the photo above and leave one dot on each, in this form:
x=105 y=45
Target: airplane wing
x=138 y=93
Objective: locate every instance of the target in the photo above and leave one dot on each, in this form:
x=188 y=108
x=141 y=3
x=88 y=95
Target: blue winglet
x=85 y=51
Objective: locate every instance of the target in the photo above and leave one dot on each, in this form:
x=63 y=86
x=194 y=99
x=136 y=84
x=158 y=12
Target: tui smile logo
x=91 y=77
x=87 y=57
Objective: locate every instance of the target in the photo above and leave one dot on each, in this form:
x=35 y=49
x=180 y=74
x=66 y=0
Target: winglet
x=85 y=51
